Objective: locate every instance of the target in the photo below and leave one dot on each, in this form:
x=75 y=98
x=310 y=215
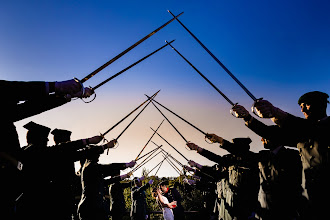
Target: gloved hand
x=214 y=138
x=127 y=175
x=196 y=177
x=110 y=144
x=84 y=93
x=141 y=178
x=151 y=182
x=188 y=168
x=265 y=109
x=189 y=181
x=130 y=164
x=93 y=140
x=70 y=87
x=192 y=146
x=240 y=112
x=194 y=164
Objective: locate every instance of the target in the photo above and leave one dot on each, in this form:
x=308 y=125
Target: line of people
x=278 y=182
x=37 y=180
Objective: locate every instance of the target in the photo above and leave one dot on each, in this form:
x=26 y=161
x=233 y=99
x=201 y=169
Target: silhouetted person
x=36 y=202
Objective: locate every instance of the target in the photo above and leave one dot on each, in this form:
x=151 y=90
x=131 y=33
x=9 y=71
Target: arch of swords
x=151 y=99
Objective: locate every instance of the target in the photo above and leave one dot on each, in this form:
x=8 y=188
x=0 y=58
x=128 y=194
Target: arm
x=205 y=153
x=111 y=169
x=36 y=106
x=160 y=198
x=270 y=132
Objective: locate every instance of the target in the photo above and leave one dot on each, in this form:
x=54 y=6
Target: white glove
x=192 y=146
x=130 y=164
x=110 y=144
x=214 y=138
x=188 y=181
x=141 y=178
x=93 y=140
x=194 y=164
x=151 y=182
x=70 y=87
x=84 y=93
x=265 y=109
x=188 y=168
x=240 y=111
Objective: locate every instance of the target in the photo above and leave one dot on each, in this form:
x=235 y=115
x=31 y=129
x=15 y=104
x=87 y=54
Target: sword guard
x=233 y=113
x=206 y=140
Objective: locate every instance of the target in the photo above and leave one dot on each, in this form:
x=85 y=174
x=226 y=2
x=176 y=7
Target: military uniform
x=280 y=184
x=92 y=205
x=237 y=182
x=33 y=93
x=139 y=209
x=117 y=200
x=36 y=201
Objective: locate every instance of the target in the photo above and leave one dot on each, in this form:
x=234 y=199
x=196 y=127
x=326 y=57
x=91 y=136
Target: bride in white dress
x=166 y=206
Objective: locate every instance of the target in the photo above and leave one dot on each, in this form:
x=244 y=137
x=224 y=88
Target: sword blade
x=127 y=50
x=171 y=145
x=128 y=115
x=170 y=123
x=202 y=75
x=149 y=140
x=180 y=117
x=216 y=59
x=127 y=68
x=137 y=116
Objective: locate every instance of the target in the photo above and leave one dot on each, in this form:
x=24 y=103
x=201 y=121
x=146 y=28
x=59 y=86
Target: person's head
x=163 y=186
x=37 y=134
x=61 y=136
x=270 y=145
x=154 y=192
x=314 y=105
x=137 y=182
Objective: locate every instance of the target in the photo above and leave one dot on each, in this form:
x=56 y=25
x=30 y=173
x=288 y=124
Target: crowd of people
x=278 y=182
x=275 y=183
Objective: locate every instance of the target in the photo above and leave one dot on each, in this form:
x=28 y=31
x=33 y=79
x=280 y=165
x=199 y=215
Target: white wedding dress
x=167 y=212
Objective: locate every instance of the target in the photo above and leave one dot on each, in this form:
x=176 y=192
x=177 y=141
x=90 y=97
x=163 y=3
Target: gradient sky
x=277 y=49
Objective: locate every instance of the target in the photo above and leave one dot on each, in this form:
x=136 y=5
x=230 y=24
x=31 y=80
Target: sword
x=216 y=59
x=206 y=134
x=170 y=123
x=132 y=120
x=150 y=152
x=224 y=67
x=159 y=164
x=125 y=51
x=144 y=161
x=127 y=68
x=202 y=75
x=179 y=117
x=148 y=141
x=136 y=116
x=128 y=115
x=172 y=164
x=171 y=145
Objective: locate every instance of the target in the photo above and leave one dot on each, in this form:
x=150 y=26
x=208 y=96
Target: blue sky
x=277 y=49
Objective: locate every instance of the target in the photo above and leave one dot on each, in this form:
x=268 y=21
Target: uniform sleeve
x=112 y=169
x=211 y=156
x=36 y=106
x=21 y=91
x=112 y=180
x=274 y=133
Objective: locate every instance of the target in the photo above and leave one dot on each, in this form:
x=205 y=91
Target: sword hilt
x=254 y=109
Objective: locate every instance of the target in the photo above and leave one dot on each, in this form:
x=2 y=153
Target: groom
x=172 y=194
